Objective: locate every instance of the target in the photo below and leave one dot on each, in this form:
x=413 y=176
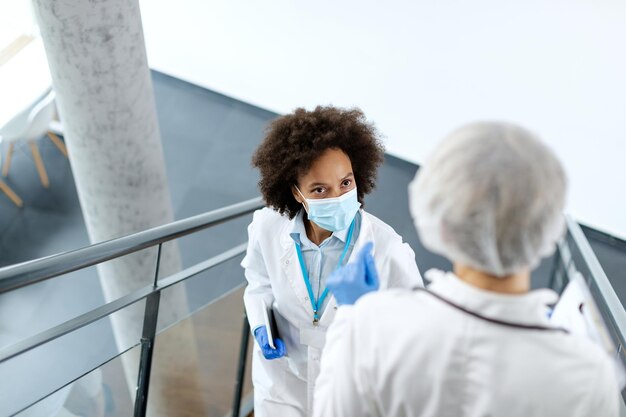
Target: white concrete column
x=105 y=98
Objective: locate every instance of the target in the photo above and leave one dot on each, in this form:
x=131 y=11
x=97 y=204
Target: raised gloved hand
x=260 y=334
x=351 y=281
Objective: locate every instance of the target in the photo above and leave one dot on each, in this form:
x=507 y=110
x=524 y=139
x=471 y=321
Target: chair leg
x=9 y=192
x=43 y=176
x=7 y=164
x=59 y=144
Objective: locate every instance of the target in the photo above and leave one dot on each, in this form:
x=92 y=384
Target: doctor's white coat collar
x=364 y=235
x=529 y=308
x=297 y=229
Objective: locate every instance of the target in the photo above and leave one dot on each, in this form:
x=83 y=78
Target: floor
x=208 y=140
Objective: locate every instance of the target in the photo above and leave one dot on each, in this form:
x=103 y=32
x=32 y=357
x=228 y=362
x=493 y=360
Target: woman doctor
x=316 y=167
x=478 y=341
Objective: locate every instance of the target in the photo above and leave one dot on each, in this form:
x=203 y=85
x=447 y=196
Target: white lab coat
x=406 y=353
x=284 y=387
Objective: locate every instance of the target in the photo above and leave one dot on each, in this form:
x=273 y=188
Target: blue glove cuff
x=260 y=334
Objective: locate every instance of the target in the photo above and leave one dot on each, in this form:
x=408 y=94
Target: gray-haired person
x=477 y=342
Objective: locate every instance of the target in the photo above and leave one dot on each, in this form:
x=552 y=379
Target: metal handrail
x=27 y=273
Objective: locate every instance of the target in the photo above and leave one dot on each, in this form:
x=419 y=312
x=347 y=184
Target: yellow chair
x=28 y=126
x=9 y=192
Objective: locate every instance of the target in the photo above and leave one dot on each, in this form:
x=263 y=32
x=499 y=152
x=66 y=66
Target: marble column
x=97 y=60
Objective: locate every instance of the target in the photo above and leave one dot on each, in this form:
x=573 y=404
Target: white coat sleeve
x=338 y=390
x=259 y=287
x=400 y=268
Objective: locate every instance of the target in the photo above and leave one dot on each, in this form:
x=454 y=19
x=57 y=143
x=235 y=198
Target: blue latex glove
x=351 y=281
x=260 y=334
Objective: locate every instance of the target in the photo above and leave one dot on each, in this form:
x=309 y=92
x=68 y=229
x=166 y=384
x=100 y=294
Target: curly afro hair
x=294 y=141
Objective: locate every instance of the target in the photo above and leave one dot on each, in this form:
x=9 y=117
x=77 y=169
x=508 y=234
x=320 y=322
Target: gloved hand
x=260 y=334
x=351 y=281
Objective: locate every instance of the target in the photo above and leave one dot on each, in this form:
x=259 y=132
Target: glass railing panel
x=30 y=310
x=204 y=287
x=103 y=392
x=128 y=273
x=27 y=311
x=30 y=376
x=195 y=361
x=62 y=354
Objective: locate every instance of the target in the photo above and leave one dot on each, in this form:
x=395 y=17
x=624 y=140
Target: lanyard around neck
x=316 y=304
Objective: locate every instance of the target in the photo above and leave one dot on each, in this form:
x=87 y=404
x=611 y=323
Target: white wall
x=421 y=68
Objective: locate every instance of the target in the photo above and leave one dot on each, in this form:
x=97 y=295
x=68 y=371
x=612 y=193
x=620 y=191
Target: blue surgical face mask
x=333 y=214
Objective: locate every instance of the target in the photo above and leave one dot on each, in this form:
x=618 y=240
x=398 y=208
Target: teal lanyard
x=317 y=304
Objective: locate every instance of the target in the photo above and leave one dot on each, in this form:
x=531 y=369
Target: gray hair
x=490 y=197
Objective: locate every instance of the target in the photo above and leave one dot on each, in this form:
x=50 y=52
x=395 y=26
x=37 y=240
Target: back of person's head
x=491 y=197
